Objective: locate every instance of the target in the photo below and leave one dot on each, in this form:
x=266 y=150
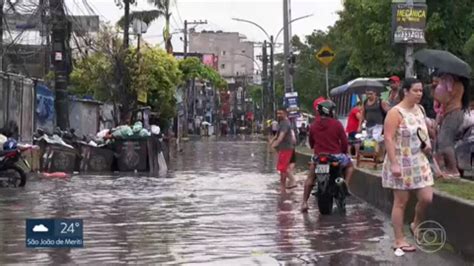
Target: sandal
x=405 y=248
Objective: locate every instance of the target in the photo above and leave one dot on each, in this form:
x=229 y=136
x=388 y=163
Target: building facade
x=234 y=53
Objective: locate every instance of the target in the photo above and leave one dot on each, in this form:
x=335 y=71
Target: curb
x=455 y=214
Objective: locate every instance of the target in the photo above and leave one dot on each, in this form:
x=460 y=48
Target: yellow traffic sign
x=325 y=55
x=142 y=96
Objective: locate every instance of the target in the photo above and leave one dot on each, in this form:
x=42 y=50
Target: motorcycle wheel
x=15 y=176
x=341 y=200
x=325 y=201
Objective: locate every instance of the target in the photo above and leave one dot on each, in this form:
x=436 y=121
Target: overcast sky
x=219 y=14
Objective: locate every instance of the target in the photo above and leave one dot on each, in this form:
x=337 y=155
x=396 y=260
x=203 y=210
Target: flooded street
x=219 y=205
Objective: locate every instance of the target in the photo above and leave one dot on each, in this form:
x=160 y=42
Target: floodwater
x=220 y=204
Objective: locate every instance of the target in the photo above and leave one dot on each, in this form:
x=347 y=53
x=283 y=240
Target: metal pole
x=60 y=57
x=266 y=102
x=286 y=44
x=327 y=82
x=185 y=51
x=272 y=75
x=2 y=2
x=126 y=27
x=138 y=47
x=409 y=60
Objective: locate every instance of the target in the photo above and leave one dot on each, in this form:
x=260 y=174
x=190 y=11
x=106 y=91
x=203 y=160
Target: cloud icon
x=40 y=229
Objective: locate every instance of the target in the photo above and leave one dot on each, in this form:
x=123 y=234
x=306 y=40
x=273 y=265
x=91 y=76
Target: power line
x=177 y=11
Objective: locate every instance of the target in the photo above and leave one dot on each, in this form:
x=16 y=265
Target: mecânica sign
x=408 y=22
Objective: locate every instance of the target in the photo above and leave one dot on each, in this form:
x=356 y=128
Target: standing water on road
x=220 y=204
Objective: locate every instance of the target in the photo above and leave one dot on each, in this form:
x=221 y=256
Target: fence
x=17 y=103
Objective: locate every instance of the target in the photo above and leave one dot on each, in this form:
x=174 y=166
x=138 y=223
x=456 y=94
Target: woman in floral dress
x=406 y=167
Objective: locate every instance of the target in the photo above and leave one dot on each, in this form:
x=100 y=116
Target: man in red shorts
x=285 y=145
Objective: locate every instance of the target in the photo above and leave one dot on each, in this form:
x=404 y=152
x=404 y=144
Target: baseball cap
x=394 y=79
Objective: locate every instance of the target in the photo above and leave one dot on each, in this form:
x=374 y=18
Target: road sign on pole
x=325 y=55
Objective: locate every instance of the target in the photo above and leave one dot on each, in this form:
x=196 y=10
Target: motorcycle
x=330 y=183
x=13 y=168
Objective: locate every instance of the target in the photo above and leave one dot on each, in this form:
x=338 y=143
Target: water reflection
x=220 y=203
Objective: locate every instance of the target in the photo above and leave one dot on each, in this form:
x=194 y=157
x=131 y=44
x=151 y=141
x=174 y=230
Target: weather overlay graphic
x=54 y=233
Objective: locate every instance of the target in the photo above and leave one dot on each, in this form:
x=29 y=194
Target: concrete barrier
x=456 y=215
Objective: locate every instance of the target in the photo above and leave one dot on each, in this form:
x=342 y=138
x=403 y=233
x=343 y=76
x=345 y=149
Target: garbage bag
x=102 y=134
x=3 y=139
x=144 y=133
x=123 y=131
x=137 y=127
x=155 y=130
x=163 y=168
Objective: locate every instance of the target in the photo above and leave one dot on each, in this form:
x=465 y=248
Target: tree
x=159 y=74
x=361 y=39
x=97 y=74
x=147 y=16
x=164 y=7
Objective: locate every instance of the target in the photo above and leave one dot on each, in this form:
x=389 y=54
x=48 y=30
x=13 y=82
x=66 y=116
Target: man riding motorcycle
x=326 y=135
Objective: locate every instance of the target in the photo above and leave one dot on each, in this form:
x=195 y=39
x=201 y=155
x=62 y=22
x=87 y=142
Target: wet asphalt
x=219 y=205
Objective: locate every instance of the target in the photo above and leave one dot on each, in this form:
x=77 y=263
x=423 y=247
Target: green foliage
x=362 y=41
x=192 y=67
x=92 y=76
x=158 y=74
x=255 y=92
x=147 y=16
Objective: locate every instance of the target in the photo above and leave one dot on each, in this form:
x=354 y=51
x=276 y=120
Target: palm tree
x=164 y=7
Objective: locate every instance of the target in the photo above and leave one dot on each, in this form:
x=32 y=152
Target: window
x=223 y=52
x=222 y=66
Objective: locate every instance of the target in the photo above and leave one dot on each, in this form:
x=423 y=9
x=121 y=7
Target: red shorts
x=284 y=158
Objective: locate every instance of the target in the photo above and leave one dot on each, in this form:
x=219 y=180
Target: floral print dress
x=415 y=167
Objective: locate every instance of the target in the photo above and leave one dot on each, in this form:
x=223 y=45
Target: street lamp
x=272 y=46
x=249 y=57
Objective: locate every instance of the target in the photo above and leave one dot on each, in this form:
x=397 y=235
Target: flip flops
x=405 y=248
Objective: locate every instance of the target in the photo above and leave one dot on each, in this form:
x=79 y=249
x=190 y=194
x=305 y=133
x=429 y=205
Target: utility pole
x=61 y=30
x=265 y=84
x=185 y=32
x=45 y=29
x=186 y=23
x=272 y=76
x=409 y=60
x=2 y=3
x=193 y=89
x=286 y=45
x=126 y=27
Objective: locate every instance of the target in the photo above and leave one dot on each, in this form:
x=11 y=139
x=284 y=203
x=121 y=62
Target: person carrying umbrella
x=452 y=93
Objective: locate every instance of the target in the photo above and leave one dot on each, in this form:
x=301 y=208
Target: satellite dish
x=139 y=27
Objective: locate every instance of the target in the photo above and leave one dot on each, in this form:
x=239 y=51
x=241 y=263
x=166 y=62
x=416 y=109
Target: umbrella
x=360 y=85
x=444 y=62
x=339 y=90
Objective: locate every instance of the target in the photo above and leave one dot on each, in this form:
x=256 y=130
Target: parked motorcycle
x=13 y=168
x=330 y=183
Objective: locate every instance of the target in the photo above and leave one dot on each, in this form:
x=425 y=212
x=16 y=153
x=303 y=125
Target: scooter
x=330 y=184
x=13 y=168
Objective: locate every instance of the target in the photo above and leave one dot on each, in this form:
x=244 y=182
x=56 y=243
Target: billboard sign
x=409 y=22
x=291 y=103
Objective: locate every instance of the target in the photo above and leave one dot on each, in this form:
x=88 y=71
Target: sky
x=219 y=14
